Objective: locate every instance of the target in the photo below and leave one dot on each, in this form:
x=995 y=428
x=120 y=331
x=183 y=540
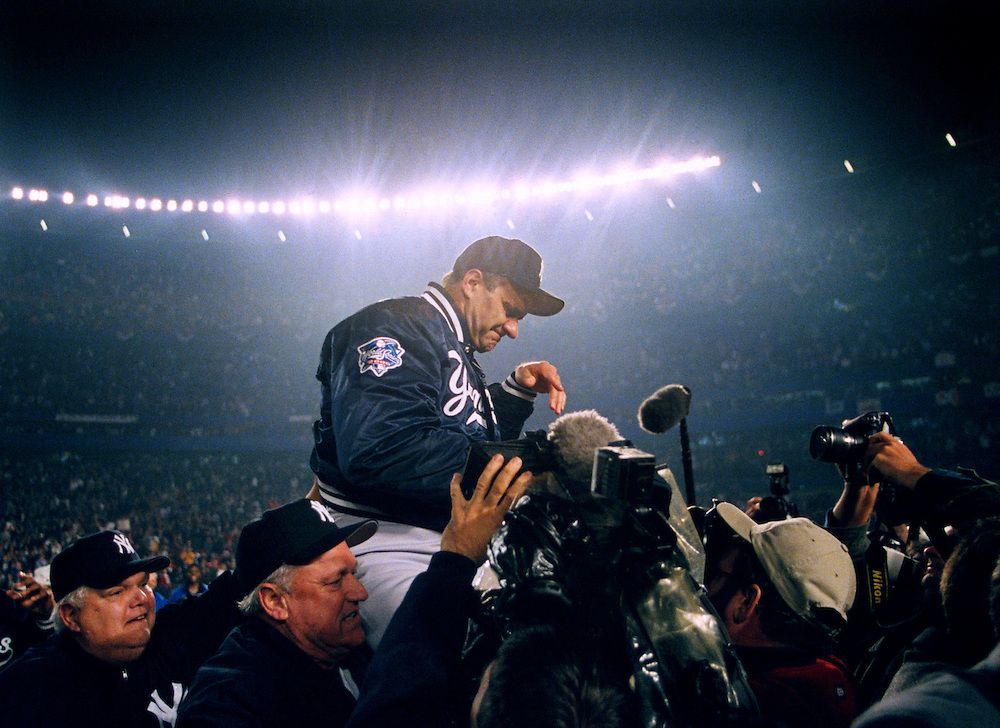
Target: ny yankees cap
x=295 y=533
x=99 y=560
x=810 y=568
x=516 y=261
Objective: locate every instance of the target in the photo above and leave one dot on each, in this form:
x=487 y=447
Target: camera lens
x=834 y=445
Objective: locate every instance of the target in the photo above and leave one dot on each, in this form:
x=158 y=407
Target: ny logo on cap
x=124 y=547
x=324 y=514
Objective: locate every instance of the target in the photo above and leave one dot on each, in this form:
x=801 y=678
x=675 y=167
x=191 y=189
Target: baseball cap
x=295 y=533
x=516 y=261
x=99 y=560
x=808 y=566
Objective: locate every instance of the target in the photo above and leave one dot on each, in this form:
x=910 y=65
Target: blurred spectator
x=191 y=587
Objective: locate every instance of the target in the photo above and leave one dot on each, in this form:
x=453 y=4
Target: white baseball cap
x=810 y=568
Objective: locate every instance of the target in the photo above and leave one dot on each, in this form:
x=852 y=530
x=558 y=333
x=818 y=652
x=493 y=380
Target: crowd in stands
x=187 y=506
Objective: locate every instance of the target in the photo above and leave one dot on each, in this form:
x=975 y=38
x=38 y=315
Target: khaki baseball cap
x=810 y=568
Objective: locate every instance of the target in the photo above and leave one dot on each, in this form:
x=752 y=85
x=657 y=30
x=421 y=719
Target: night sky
x=298 y=98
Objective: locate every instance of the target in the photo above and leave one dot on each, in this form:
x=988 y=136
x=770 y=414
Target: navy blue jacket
x=260 y=678
x=402 y=399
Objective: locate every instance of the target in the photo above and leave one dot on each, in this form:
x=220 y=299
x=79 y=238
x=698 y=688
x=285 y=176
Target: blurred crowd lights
x=368 y=204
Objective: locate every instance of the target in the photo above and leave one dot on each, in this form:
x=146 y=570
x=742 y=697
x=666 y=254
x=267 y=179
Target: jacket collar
x=438 y=297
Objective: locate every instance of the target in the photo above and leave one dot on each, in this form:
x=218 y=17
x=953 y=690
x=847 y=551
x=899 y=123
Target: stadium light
x=67 y=198
x=155 y=204
x=218 y=206
x=171 y=205
x=92 y=200
x=187 y=206
x=263 y=207
x=278 y=207
x=140 y=203
x=17 y=193
x=249 y=207
x=202 y=206
x=233 y=207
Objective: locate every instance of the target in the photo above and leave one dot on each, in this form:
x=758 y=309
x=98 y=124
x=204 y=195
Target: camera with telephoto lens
x=846 y=446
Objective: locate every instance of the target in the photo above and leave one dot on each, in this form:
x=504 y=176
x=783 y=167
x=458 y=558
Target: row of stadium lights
x=416 y=202
x=372 y=204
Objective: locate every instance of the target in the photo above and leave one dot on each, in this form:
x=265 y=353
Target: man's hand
x=894 y=460
x=34 y=597
x=541 y=377
x=474 y=521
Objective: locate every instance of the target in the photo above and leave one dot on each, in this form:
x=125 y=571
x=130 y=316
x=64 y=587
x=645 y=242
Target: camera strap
x=876 y=582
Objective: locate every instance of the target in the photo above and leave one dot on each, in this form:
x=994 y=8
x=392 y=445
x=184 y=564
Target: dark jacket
x=260 y=678
x=57 y=683
x=417 y=660
x=954 y=697
x=19 y=630
x=402 y=399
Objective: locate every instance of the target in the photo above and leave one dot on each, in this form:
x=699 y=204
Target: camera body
x=536 y=452
x=776 y=507
x=624 y=473
x=846 y=445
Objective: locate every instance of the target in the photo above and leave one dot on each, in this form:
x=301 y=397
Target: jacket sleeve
x=407 y=683
x=513 y=405
x=388 y=430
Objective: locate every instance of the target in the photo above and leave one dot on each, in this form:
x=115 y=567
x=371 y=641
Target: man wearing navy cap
x=115 y=659
x=403 y=397
x=289 y=664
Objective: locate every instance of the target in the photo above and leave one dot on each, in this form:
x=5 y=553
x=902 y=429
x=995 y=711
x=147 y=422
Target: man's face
x=115 y=623
x=323 y=616
x=491 y=315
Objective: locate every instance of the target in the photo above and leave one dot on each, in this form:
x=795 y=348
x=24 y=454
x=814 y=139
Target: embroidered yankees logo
x=463 y=391
x=124 y=547
x=324 y=514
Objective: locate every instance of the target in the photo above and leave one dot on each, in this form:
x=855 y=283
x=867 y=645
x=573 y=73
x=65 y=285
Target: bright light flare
x=204 y=235
x=281 y=236
x=848 y=166
x=43 y=225
x=756 y=186
x=248 y=207
x=950 y=139
x=126 y=232
x=233 y=207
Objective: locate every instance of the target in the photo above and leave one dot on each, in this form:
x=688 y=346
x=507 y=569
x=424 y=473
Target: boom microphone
x=665 y=408
x=575 y=436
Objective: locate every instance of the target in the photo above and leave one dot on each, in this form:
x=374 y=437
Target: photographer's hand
x=474 y=521
x=540 y=376
x=894 y=460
